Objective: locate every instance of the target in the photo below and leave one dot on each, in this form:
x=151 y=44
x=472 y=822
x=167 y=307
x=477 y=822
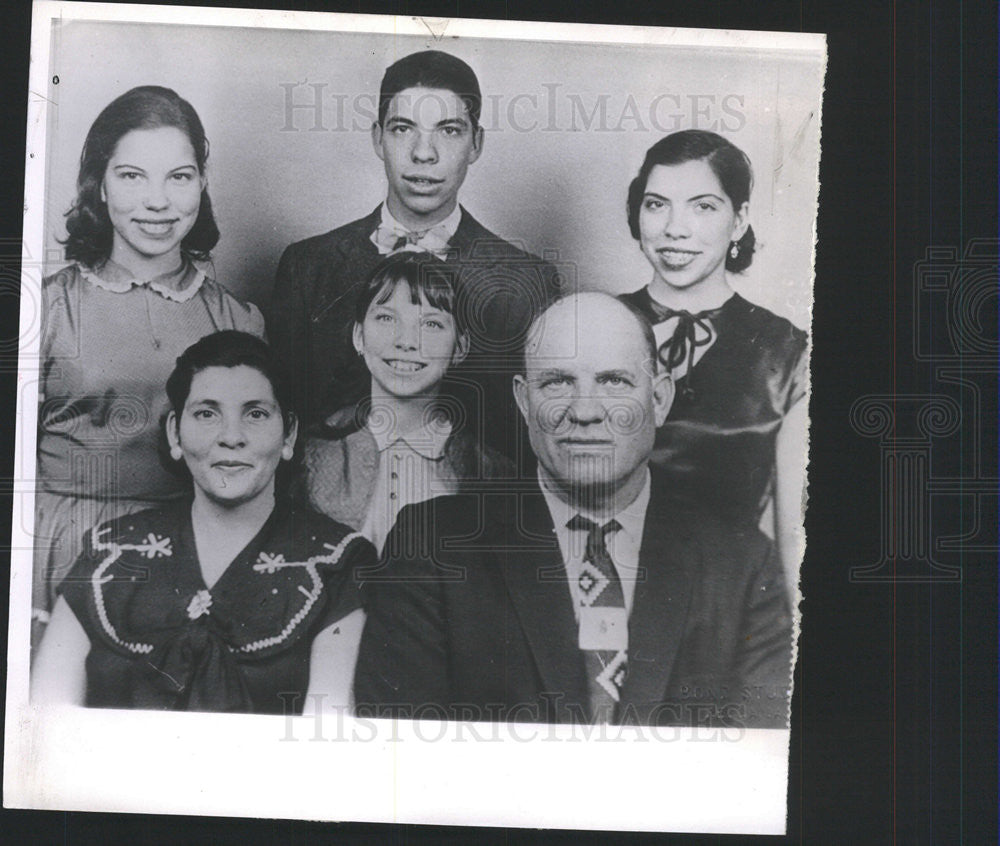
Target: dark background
x=894 y=717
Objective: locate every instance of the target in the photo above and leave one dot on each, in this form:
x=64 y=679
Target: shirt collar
x=632 y=518
x=449 y=225
x=428 y=440
x=179 y=285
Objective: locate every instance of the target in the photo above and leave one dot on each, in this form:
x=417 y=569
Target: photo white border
x=244 y=765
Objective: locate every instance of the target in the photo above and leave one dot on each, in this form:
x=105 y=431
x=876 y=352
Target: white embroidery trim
x=154 y=547
x=269 y=564
x=162 y=290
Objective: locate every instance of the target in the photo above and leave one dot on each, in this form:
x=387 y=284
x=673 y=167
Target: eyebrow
x=455 y=121
x=214 y=403
x=551 y=372
x=127 y=166
x=620 y=372
x=689 y=199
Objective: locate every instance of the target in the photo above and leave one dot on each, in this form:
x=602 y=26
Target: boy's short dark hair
x=431 y=69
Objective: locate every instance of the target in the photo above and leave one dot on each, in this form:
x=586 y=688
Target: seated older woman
x=232 y=600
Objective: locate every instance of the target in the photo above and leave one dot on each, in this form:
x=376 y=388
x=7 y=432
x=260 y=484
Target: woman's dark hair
x=231 y=348
x=730 y=165
x=90 y=233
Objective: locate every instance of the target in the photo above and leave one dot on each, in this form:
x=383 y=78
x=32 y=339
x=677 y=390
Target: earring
x=734 y=251
x=175 y=453
x=361 y=353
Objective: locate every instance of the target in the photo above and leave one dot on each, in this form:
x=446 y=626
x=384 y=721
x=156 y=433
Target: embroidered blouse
x=161 y=639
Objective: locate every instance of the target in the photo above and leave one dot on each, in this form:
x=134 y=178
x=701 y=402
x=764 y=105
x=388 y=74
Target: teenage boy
x=427 y=134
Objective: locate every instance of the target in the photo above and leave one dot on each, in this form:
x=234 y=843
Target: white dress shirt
x=623 y=545
x=438 y=235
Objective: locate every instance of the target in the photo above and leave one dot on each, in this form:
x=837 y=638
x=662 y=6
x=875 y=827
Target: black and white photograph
x=413 y=419
x=391 y=376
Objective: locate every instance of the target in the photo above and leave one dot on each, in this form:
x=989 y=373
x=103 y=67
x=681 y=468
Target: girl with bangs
x=403 y=437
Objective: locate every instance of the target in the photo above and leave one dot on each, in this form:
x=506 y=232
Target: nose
x=424 y=147
x=156 y=196
x=231 y=432
x=676 y=224
x=407 y=336
x=586 y=410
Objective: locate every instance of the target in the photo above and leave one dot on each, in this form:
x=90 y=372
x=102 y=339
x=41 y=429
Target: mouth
x=403 y=366
x=586 y=443
x=230 y=466
x=424 y=183
x=674 y=258
x=155 y=228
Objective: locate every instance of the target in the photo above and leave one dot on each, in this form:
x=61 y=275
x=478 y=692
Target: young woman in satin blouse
x=735 y=436
x=139 y=292
x=232 y=599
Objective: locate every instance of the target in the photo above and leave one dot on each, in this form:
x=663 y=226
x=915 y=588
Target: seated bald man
x=587 y=596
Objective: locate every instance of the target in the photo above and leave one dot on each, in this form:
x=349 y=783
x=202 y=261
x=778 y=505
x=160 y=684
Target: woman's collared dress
x=108 y=344
x=161 y=639
x=717 y=446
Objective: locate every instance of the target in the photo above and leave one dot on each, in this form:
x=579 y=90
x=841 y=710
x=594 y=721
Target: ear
x=288 y=447
x=478 y=139
x=173 y=437
x=663 y=397
x=104 y=193
x=377 y=140
x=358 y=339
x=741 y=222
x=461 y=350
x=521 y=395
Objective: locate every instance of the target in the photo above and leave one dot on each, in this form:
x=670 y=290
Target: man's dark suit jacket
x=470 y=617
x=311 y=315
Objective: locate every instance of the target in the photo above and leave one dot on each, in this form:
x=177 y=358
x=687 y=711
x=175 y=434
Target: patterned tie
x=393 y=240
x=603 y=620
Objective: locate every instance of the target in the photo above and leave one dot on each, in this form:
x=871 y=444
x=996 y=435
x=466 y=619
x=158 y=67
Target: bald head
x=589 y=312
x=592 y=398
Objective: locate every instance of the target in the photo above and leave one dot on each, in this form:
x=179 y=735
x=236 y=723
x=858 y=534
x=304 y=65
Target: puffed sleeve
x=798 y=381
x=341 y=583
x=252 y=321
x=77 y=586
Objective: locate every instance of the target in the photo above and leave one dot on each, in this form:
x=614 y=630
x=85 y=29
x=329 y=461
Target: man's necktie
x=603 y=620
x=393 y=240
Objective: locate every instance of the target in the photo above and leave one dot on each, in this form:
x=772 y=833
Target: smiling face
x=231 y=435
x=591 y=400
x=152 y=188
x=687 y=223
x=427 y=143
x=407 y=346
